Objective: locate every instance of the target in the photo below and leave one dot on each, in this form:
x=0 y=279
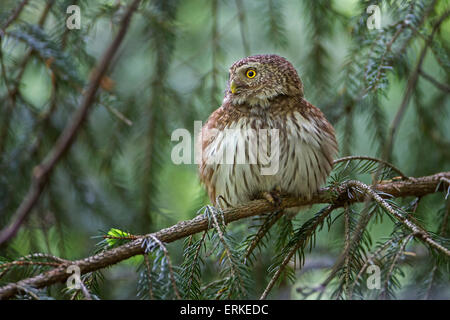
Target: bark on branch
x=416 y=187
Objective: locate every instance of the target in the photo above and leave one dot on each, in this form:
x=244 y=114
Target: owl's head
x=257 y=79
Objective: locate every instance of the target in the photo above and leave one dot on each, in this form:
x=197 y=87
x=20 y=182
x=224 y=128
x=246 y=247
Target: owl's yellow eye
x=250 y=73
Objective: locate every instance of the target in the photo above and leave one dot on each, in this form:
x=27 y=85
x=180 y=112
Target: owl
x=265 y=140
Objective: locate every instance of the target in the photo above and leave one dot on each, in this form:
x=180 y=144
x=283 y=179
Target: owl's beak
x=233 y=87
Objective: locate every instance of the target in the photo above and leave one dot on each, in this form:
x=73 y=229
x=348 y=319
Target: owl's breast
x=252 y=155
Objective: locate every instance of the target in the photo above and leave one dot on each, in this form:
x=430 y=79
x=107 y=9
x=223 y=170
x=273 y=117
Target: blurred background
x=171 y=70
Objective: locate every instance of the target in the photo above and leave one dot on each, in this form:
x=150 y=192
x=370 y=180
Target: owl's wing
x=208 y=135
x=325 y=131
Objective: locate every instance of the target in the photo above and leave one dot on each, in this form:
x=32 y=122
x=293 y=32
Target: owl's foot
x=274 y=197
x=227 y=204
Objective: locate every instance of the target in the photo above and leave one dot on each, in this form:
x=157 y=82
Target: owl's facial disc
x=244 y=78
x=252 y=83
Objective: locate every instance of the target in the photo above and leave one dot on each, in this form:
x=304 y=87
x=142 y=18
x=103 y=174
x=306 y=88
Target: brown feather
x=307 y=141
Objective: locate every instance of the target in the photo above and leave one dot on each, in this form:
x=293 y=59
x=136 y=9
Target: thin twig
x=366 y=264
x=291 y=253
x=369 y=260
x=27 y=263
x=417 y=231
x=44 y=256
x=148 y=269
x=347 y=245
x=42 y=172
x=169 y=263
x=436 y=83
x=119 y=115
x=43 y=121
x=194 y=262
x=234 y=273
x=243 y=26
x=412 y=81
x=385 y=163
x=74 y=295
x=13 y=17
x=85 y=291
x=389 y=45
x=399 y=252
x=357 y=234
x=24 y=261
x=262 y=231
x=215 y=46
x=6 y=121
x=5 y=78
x=128 y=237
x=27 y=291
x=442 y=233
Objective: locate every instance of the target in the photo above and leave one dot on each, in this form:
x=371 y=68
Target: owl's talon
x=273 y=197
x=224 y=200
x=266 y=195
x=276 y=194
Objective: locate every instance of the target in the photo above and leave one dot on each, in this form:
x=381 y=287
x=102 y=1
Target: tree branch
x=410 y=86
x=436 y=83
x=8 y=112
x=13 y=16
x=416 y=187
x=42 y=172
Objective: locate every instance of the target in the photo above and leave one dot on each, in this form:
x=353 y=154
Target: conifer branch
x=347 y=243
x=42 y=172
x=369 y=261
x=215 y=49
x=442 y=233
x=262 y=231
x=398 y=254
x=85 y=291
x=148 y=269
x=301 y=243
x=398 y=188
x=385 y=163
x=27 y=291
x=13 y=16
x=6 y=121
x=169 y=263
x=194 y=262
x=410 y=86
x=417 y=231
x=437 y=84
x=243 y=26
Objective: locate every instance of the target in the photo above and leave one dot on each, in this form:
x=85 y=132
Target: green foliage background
x=171 y=70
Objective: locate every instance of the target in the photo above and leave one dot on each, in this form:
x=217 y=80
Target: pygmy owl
x=265 y=123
